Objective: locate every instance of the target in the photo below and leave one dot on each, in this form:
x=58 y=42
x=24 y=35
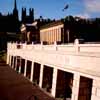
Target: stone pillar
x=75 y=88
x=55 y=45
x=41 y=75
x=16 y=63
x=41 y=45
x=32 y=70
x=77 y=47
x=96 y=90
x=20 y=66
x=8 y=56
x=25 y=67
x=10 y=60
x=54 y=82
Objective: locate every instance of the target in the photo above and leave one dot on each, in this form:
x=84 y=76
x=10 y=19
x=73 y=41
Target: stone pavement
x=14 y=86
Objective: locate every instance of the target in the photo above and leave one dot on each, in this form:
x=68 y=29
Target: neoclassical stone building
x=52 y=32
x=60 y=70
x=55 y=31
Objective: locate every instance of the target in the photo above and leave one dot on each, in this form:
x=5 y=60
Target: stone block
x=98 y=92
x=96 y=83
x=93 y=97
x=75 y=91
x=76 y=83
x=94 y=89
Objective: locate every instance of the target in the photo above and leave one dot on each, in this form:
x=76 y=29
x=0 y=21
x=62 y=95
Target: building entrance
x=22 y=65
x=36 y=73
x=64 y=85
x=47 y=78
x=17 y=63
x=28 y=70
x=85 y=88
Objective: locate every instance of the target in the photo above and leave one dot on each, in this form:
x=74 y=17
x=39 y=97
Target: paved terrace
x=14 y=86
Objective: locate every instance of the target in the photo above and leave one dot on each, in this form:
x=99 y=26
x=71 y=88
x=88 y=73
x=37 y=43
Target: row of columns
x=54 y=80
x=51 y=35
x=76 y=76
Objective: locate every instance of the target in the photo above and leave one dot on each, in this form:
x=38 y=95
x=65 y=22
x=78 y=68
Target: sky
x=53 y=8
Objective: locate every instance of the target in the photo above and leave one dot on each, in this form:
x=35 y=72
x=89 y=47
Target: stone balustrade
x=81 y=57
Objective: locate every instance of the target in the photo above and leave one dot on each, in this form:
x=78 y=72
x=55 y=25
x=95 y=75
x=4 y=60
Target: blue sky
x=53 y=8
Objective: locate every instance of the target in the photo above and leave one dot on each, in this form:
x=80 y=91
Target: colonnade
x=72 y=78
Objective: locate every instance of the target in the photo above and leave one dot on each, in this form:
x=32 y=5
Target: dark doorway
x=12 y=57
x=14 y=63
x=36 y=73
x=47 y=78
x=64 y=84
x=22 y=65
x=28 y=69
x=85 y=88
x=18 y=63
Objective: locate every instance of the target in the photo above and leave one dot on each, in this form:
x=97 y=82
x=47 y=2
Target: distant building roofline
x=51 y=24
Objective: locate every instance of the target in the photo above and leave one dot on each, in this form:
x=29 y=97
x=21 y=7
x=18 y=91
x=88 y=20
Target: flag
x=66 y=7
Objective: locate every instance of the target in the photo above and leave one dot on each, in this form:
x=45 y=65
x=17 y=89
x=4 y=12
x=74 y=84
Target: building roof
x=52 y=24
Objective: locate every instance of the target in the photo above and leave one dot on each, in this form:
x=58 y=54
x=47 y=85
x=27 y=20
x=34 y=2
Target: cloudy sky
x=53 y=8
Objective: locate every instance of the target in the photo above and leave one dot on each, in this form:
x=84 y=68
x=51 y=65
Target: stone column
x=75 y=88
x=8 y=56
x=10 y=60
x=25 y=67
x=77 y=47
x=41 y=75
x=55 y=45
x=32 y=70
x=16 y=63
x=54 y=82
x=20 y=66
x=96 y=89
